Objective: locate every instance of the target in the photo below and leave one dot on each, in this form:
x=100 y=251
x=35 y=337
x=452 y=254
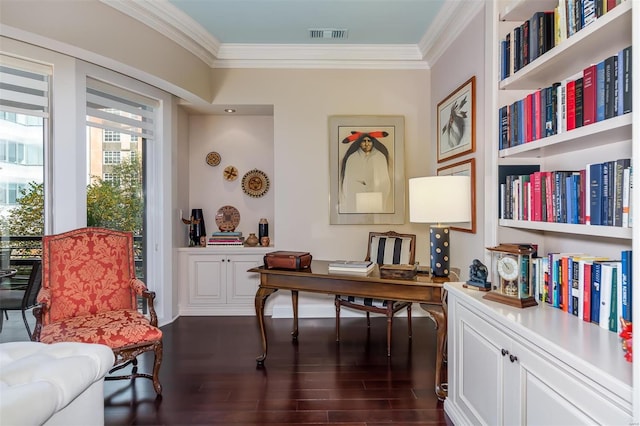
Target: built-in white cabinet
x=533 y=366
x=564 y=370
x=215 y=281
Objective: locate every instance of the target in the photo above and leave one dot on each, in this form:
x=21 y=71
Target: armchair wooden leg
x=156 y=368
x=368 y=320
x=409 y=321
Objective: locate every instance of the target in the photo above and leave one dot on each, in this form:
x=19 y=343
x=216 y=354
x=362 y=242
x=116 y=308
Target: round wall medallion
x=227 y=218
x=230 y=173
x=255 y=183
x=213 y=158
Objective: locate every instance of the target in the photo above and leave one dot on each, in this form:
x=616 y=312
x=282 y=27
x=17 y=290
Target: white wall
x=303 y=100
x=245 y=142
x=463 y=59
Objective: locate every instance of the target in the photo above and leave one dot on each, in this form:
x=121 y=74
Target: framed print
x=457 y=122
x=464 y=168
x=366 y=169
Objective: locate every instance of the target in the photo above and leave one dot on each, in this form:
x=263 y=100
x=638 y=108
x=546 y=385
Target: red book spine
x=536 y=196
x=587 y=293
x=589 y=93
x=571 y=105
x=549 y=196
x=527 y=117
x=538 y=114
x=564 y=279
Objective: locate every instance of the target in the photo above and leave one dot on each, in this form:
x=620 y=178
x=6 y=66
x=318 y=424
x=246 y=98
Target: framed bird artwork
x=457 y=122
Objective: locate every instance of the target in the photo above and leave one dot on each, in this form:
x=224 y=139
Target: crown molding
x=453 y=17
x=170 y=21
x=167 y=19
x=236 y=55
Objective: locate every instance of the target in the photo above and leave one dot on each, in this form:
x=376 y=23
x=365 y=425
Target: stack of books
x=226 y=239
x=354 y=267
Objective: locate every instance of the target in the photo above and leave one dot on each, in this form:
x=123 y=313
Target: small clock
x=510 y=269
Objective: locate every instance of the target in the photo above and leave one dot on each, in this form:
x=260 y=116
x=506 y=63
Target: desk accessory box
x=401 y=271
x=287 y=260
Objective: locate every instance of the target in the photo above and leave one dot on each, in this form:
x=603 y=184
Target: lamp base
x=439 y=241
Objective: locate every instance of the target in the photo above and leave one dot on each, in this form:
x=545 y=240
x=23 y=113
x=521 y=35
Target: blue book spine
x=600 y=91
x=521 y=121
x=626 y=285
x=569 y=199
x=596 y=275
x=595 y=191
x=620 y=84
x=575 y=197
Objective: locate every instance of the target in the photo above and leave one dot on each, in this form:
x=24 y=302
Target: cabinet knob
x=224 y=260
x=505 y=352
x=513 y=358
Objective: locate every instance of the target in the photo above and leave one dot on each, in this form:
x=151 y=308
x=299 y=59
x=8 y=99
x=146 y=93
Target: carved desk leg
x=294 y=302
x=261 y=298
x=439 y=315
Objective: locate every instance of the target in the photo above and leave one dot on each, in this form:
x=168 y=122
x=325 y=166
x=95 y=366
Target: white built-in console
x=215 y=281
x=531 y=366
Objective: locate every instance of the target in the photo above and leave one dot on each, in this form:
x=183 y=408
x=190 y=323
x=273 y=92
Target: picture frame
x=457 y=122
x=371 y=191
x=464 y=168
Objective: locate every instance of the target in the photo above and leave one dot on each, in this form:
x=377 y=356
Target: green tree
x=116 y=204
x=27 y=218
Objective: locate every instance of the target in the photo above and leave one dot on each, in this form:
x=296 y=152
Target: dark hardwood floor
x=210 y=377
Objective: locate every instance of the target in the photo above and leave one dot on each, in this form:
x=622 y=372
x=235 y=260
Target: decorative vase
x=197 y=226
x=264 y=241
x=263 y=229
x=251 y=240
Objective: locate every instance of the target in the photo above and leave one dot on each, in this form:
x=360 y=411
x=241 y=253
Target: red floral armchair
x=89 y=294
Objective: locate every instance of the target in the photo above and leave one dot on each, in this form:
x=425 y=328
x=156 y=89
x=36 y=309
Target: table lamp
x=438 y=200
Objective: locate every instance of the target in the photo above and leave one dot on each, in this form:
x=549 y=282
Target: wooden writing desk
x=317 y=279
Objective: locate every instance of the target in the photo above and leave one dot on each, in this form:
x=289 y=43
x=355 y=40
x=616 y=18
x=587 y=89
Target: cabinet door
x=480 y=353
x=242 y=285
x=554 y=394
x=207 y=275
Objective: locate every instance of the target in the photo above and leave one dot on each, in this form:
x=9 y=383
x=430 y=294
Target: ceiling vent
x=328 y=33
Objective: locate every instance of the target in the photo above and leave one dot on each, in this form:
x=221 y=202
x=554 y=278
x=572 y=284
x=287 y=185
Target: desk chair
x=23 y=299
x=384 y=248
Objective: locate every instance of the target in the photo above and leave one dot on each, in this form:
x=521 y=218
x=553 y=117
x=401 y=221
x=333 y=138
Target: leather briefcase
x=287 y=260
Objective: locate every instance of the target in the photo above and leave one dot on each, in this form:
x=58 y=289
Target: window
x=111 y=136
x=111 y=157
x=123 y=115
x=24 y=126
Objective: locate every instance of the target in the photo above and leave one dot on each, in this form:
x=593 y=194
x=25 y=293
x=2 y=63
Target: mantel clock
x=510 y=271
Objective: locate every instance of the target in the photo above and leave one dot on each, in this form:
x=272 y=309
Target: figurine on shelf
x=191 y=222
x=478 y=274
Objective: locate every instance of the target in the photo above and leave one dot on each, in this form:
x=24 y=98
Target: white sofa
x=56 y=384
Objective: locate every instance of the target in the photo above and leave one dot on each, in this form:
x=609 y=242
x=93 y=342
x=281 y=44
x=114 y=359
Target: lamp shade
x=440 y=199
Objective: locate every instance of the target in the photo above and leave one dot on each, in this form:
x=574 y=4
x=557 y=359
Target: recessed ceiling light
x=229 y=110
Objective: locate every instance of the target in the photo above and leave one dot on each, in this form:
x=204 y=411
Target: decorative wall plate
x=230 y=173
x=213 y=158
x=255 y=183
x=227 y=218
